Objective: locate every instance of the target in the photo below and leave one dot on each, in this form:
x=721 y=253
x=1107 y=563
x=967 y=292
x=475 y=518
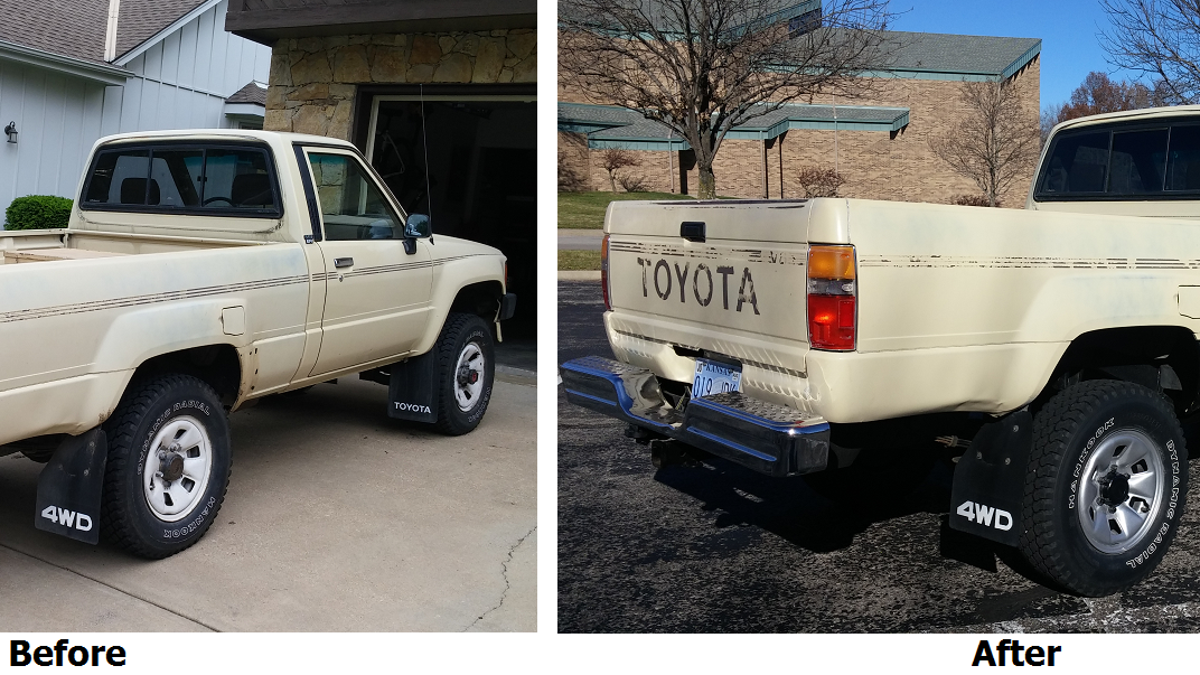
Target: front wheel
x=1105 y=488
x=467 y=370
x=168 y=465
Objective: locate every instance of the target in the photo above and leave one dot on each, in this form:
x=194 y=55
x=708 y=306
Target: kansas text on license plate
x=714 y=378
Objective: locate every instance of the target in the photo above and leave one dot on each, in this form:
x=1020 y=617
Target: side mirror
x=417 y=227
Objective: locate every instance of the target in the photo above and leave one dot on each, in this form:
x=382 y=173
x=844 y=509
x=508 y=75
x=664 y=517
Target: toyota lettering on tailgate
x=671 y=279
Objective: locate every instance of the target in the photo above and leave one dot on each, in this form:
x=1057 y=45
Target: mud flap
x=70 y=486
x=989 y=481
x=412 y=389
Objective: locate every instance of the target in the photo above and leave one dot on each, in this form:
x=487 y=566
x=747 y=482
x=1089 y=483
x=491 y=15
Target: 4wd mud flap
x=989 y=481
x=70 y=486
x=772 y=439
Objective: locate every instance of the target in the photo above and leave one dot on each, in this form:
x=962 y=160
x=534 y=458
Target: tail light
x=832 y=297
x=604 y=272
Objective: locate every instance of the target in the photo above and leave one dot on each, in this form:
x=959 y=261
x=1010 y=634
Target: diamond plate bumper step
x=766 y=437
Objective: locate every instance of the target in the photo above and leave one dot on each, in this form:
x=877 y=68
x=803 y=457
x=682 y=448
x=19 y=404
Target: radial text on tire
x=169 y=462
x=466 y=370
x=1106 y=484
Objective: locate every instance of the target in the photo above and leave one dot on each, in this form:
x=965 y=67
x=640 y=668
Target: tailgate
x=740 y=269
x=726 y=277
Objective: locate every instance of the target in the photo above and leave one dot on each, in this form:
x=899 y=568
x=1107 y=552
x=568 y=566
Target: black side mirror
x=416 y=227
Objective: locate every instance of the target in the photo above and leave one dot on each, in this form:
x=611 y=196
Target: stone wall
x=896 y=166
x=314 y=80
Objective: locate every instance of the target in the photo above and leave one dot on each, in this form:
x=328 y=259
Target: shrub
x=613 y=159
x=35 y=212
x=971 y=200
x=631 y=183
x=819 y=182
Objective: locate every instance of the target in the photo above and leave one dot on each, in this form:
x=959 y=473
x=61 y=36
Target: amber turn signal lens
x=830 y=262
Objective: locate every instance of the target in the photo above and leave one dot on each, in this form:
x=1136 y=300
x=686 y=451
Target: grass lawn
x=579 y=260
x=585 y=210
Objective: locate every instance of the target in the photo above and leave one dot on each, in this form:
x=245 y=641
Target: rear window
x=203 y=179
x=1123 y=162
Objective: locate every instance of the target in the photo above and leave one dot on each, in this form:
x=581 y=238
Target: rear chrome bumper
x=772 y=439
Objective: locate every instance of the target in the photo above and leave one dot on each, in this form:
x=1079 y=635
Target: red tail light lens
x=604 y=272
x=832 y=298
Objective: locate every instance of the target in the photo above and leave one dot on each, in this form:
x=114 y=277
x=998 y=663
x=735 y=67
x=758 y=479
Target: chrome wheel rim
x=1120 y=491
x=177 y=469
x=469 y=375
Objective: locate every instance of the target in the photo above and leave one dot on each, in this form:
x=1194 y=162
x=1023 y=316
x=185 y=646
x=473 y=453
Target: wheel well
x=1164 y=358
x=482 y=299
x=217 y=365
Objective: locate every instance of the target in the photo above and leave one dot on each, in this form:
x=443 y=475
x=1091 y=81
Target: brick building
x=879 y=143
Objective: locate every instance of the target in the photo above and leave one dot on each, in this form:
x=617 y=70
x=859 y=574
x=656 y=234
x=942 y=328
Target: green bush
x=36 y=212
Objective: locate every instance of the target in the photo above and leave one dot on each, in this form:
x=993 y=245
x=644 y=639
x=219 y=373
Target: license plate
x=714 y=378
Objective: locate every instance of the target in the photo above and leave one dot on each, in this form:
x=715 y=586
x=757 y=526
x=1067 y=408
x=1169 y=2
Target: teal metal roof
x=956 y=56
x=614 y=127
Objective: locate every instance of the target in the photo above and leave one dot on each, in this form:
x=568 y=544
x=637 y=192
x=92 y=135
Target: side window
x=352 y=206
x=176 y=175
x=119 y=177
x=1183 y=162
x=235 y=181
x=1139 y=162
x=1078 y=164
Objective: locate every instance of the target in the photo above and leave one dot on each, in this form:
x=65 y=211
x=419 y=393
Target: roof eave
x=266 y=26
x=245 y=110
x=161 y=35
x=68 y=65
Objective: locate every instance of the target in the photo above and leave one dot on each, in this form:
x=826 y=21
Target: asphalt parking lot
x=337 y=519
x=715 y=548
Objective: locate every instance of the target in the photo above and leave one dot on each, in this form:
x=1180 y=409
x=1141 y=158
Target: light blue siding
x=180 y=82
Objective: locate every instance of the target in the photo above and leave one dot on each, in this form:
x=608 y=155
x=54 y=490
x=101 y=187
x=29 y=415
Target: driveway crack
x=504 y=575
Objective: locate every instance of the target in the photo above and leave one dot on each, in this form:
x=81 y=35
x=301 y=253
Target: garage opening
x=469 y=162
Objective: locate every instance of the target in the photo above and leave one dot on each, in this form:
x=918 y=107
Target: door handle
x=343 y=262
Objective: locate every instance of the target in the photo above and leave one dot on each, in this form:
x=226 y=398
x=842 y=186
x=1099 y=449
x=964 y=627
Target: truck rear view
x=1048 y=353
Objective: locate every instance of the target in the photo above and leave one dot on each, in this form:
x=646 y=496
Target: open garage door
x=468 y=161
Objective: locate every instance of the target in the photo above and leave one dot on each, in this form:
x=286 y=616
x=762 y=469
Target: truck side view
x=1049 y=352
x=200 y=272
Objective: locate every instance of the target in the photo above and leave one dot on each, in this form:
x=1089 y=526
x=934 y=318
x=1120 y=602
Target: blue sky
x=1068 y=29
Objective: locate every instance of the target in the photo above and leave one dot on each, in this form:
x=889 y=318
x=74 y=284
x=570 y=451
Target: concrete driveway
x=337 y=519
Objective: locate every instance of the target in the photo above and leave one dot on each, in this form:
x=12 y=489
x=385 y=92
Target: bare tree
x=702 y=67
x=1049 y=117
x=817 y=182
x=613 y=159
x=996 y=143
x=1160 y=38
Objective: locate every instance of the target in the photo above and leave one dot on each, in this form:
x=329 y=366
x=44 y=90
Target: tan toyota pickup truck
x=201 y=271
x=1049 y=352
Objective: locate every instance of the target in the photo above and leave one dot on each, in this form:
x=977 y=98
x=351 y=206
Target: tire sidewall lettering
x=1145 y=550
x=172 y=400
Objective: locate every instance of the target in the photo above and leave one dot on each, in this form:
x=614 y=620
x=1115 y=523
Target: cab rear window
x=203 y=179
x=1149 y=161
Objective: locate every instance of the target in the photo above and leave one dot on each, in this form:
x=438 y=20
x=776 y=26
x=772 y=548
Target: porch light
x=11 y=130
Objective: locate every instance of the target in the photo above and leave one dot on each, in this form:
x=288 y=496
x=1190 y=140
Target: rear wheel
x=168 y=466
x=1105 y=488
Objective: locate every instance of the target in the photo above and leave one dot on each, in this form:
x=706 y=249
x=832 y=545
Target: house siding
x=181 y=82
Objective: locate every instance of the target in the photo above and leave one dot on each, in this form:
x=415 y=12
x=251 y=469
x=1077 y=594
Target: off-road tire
x=1105 y=488
x=465 y=340
x=180 y=409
